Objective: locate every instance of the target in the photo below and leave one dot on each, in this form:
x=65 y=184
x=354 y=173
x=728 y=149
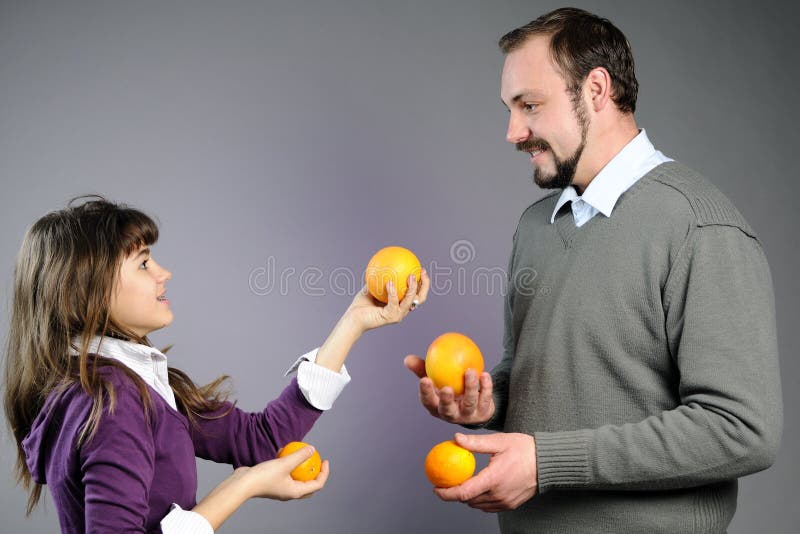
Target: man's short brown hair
x=580 y=42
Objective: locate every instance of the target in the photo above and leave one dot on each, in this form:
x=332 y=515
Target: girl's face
x=138 y=301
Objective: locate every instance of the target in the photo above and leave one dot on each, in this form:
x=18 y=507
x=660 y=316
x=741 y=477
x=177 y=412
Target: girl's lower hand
x=369 y=313
x=272 y=479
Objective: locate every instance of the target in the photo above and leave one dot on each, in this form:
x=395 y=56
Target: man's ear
x=598 y=87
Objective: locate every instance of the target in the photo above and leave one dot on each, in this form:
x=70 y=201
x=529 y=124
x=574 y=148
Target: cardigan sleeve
x=242 y=438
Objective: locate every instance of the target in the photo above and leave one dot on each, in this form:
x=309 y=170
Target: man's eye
x=529 y=107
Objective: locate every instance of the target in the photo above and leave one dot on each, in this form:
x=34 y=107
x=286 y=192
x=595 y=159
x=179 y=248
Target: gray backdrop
x=290 y=140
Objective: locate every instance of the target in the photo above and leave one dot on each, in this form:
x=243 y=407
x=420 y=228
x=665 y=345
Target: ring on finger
x=414 y=304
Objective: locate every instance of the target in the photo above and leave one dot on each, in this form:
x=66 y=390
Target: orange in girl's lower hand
x=393 y=264
x=448 y=465
x=449 y=357
x=309 y=469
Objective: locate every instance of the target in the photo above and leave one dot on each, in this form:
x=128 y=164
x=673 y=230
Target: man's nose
x=517 y=129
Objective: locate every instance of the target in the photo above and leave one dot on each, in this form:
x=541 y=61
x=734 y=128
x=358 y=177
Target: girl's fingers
x=411 y=293
x=296 y=458
x=307 y=489
x=425 y=285
x=392 y=292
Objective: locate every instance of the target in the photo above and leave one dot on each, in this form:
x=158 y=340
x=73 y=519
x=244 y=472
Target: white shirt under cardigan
x=636 y=159
x=319 y=385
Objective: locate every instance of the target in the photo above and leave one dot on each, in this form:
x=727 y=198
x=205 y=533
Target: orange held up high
x=393 y=264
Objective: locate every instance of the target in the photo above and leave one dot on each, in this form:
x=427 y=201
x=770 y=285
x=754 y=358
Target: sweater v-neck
x=565 y=221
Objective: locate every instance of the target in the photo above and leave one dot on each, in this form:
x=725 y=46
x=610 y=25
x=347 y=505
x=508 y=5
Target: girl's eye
x=144 y=263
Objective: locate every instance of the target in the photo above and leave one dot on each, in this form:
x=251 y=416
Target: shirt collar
x=147 y=362
x=111 y=347
x=614 y=179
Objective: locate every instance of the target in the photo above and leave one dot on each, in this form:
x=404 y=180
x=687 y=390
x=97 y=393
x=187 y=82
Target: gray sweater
x=640 y=351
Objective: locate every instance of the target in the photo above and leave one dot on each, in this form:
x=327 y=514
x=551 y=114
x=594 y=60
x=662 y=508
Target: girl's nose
x=164 y=274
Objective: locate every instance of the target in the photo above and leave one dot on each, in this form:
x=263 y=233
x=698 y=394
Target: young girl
x=100 y=418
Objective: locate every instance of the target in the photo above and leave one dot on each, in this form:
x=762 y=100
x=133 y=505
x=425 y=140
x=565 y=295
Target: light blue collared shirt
x=636 y=159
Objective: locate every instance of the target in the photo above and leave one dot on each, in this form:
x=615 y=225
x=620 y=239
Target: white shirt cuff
x=319 y=385
x=180 y=521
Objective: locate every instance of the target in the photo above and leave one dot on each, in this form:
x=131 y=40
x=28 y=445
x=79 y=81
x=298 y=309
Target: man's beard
x=565 y=169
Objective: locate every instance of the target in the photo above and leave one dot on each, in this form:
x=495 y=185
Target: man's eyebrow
x=527 y=93
x=523 y=94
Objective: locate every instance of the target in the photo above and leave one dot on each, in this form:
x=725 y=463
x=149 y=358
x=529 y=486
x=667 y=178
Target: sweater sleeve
x=244 y=439
x=117 y=467
x=720 y=323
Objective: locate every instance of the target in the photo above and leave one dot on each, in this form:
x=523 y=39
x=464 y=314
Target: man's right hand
x=474 y=407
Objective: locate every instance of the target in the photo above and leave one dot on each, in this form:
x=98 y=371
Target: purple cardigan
x=128 y=475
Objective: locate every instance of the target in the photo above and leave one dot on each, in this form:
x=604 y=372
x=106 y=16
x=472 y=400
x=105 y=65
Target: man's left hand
x=509 y=480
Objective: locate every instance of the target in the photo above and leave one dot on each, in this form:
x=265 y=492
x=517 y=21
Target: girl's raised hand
x=366 y=313
x=369 y=313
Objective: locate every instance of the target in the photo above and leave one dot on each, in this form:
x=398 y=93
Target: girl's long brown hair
x=63 y=281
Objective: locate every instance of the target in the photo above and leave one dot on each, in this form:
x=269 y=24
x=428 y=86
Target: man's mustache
x=532 y=145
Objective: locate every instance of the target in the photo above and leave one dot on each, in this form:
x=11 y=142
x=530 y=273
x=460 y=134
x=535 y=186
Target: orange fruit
x=309 y=469
x=448 y=464
x=395 y=264
x=449 y=357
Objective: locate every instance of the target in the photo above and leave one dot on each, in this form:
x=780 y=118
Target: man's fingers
x=491 y=503
x=481 y=443
x=469 y=403
x=483 y=499
x=448 y=407
x=415 y=364
x=490 y=508
x=485 y=398
x=429 y=396
x=471 y=489
x=454 y=494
